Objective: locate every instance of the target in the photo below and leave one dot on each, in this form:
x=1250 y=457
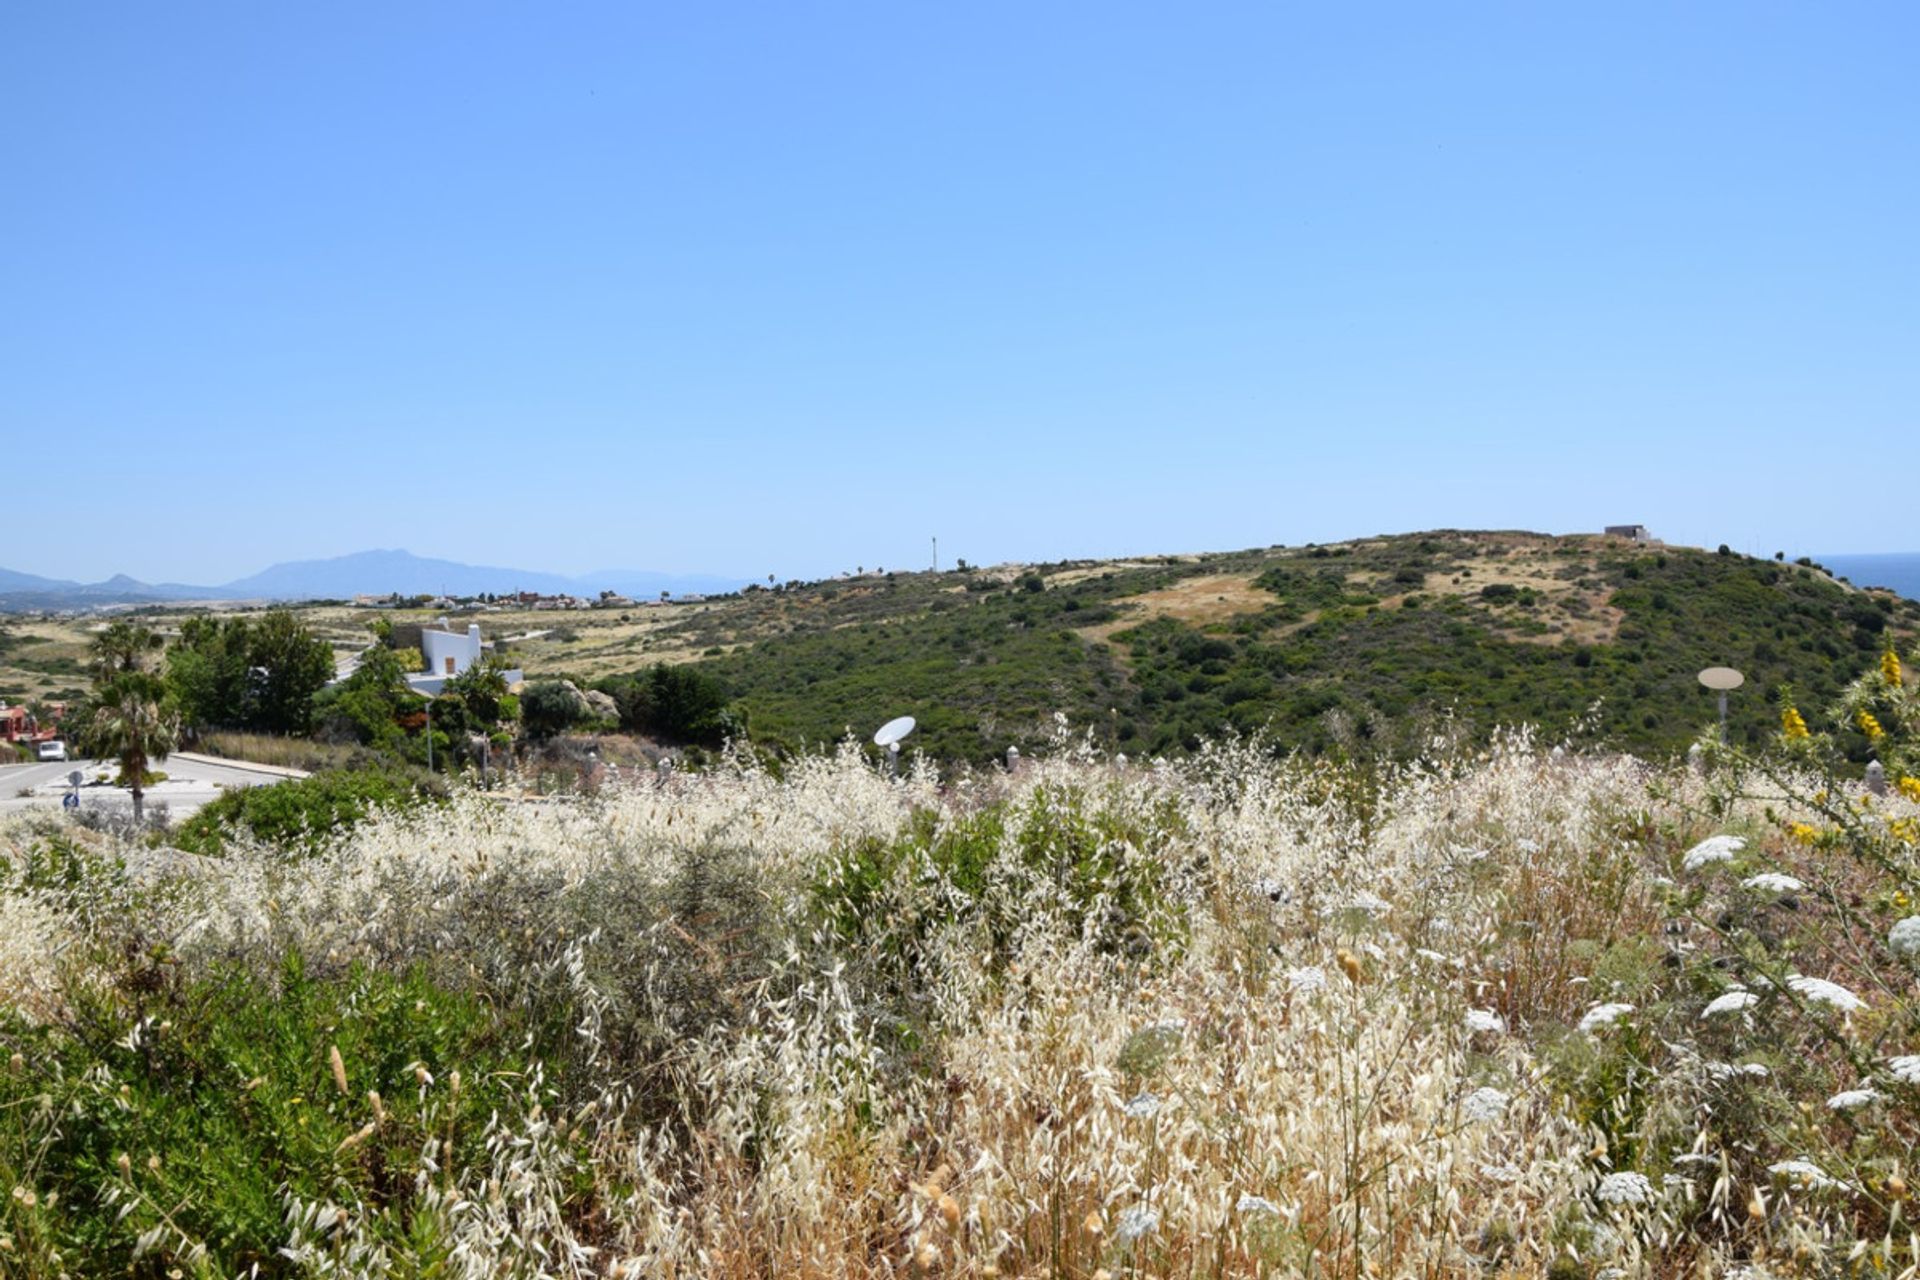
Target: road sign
x=76 y=778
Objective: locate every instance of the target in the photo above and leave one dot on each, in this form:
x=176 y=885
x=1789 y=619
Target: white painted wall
x=437 y=647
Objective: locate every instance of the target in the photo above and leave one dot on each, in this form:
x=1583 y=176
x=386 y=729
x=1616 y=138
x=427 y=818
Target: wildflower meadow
x=1516 y=1009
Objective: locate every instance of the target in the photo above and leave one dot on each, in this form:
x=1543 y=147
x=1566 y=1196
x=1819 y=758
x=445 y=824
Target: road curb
x=247 y=766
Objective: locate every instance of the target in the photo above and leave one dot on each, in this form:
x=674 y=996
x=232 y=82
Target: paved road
x=192 y=781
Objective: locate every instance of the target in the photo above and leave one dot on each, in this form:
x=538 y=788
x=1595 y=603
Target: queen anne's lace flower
x=1256 y=1204
x=1904 y=938
x=1309 y=977
x=1711 y=850
x=1604 y=1015
x=1144 y=1106
x=1805 y=1174
x=1624 y=1188
x=1485 y=1020
x=1853 y=1099
x=1136 y=1221
x=1905 y=1069
x=1727 y=1071
x=1371 y=903
x=1820 y=991
x=1773 y=882
x=1732 y=1002
x=1484 y=1104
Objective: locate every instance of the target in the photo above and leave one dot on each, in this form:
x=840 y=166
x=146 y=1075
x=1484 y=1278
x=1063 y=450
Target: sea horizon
x=1897 y=571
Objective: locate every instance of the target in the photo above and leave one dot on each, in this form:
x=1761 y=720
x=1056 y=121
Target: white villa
x=449 y=653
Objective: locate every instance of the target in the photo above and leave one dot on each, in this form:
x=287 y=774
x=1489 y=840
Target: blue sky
x=790 y=288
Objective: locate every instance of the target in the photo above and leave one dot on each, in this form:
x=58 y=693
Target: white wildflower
x=1820 y=991
x=1256 y=1204
x=1485 y=1020
x=1308 y=977
x=1604 y=1015
x=1732 y=1002
x=1905 y=1069
x=1853 y=1099
x=1773 y=882
x=1371 y=903
x=1904 y=938
x=1624 y=1188
x=1711 y=850
x=1144 y=1106
x=1484 y=1104
x=1804 y=1174
x=1270 y=889
x=1135 y=1222
x=1503 y=1172
x=1727 y=1071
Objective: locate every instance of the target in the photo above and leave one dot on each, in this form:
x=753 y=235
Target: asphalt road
x=192 y=781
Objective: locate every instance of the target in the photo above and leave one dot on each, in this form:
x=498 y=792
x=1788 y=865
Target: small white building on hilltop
x=450 y=653
x=1632 y=532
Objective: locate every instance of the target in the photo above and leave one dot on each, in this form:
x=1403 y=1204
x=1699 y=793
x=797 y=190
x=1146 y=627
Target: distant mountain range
x=362 y=573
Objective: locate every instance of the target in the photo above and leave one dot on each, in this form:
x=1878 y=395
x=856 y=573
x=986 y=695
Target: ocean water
x=1899 y=570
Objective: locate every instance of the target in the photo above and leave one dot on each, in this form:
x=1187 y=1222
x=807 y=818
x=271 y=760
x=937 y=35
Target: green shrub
x=303 y=813
x=222 y=1103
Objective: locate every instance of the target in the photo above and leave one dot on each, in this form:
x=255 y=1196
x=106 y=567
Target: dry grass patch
x=1199 y=602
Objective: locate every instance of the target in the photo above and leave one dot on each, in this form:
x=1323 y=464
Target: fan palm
x=134 y=723
x=124 y=648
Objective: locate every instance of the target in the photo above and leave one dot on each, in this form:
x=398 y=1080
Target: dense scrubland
x=1363 y=649
x=1504 y=1010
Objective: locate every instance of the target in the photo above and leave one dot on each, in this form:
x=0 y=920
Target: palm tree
x=123 y=648
x=134 y=723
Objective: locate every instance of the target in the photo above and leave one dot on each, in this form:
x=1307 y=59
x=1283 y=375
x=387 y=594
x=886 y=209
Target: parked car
x=53 y=749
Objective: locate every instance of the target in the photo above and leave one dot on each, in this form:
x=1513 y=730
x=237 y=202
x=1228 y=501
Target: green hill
x=1359 y=647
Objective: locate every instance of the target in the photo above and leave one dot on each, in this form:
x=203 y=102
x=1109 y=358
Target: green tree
x=680 y=703
x=123 y=648
x=482 y=690
x=135 y=723
x=289 y=665
x=370 y=703
x=209 y=671
x=550 y=707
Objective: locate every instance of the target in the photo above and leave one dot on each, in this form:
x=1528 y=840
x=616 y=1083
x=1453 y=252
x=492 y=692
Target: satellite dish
x=892 y=731
x=1722 y=678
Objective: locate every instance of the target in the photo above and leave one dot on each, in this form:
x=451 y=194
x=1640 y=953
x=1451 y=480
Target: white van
x=53 y=749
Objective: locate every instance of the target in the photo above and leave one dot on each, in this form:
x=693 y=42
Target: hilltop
x=1358 y=646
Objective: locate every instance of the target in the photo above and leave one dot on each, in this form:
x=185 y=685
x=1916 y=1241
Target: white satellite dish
x=1721 y=679
x=893 y=730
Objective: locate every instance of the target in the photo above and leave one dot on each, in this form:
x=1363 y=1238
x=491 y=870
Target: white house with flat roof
x=449 y=653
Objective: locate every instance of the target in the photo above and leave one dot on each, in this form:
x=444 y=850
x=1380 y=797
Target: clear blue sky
x=791 y=287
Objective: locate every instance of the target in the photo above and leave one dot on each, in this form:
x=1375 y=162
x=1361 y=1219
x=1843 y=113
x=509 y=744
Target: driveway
x=192 y=781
